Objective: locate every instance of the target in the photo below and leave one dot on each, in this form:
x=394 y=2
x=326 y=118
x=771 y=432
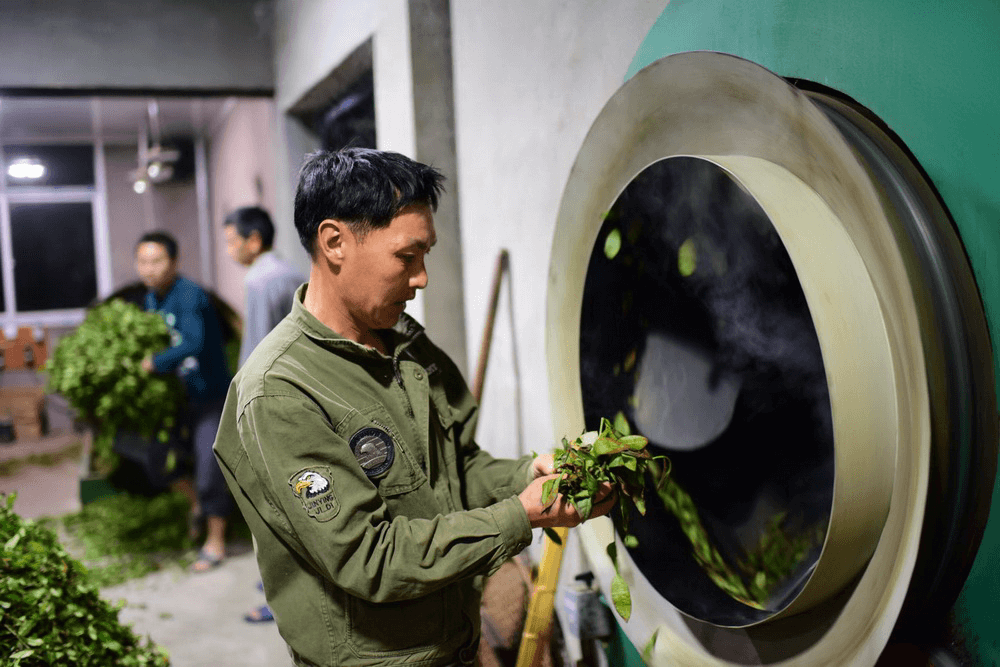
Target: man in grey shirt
x=270 y=287
x=270 y=282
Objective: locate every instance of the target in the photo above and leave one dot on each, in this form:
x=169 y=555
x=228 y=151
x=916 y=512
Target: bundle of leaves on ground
x=122 y=537
x=610 y=454
x=98 y=369
x=50 y=611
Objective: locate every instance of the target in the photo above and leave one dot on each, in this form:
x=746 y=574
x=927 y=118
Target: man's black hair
x=163 y=238
x=362 y=187
x=250 y=219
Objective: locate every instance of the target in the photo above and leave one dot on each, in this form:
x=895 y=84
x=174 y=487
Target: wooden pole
x=539 y=618
x=491 y=314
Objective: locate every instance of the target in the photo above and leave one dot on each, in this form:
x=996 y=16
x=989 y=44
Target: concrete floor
x=196 y=617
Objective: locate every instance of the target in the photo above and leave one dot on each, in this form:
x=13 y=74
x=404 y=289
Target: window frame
x=96 y=195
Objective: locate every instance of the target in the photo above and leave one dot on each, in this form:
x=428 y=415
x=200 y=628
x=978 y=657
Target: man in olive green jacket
x=347 y=440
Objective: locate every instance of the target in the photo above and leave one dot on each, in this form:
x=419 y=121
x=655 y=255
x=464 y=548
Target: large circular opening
x=771 y=161
x=695 y=327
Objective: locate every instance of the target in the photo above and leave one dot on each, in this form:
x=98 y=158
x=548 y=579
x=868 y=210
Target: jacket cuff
x=529 y=472
x=513 y=523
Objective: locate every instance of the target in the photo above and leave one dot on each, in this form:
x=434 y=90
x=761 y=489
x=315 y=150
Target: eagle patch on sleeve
x=314 y=489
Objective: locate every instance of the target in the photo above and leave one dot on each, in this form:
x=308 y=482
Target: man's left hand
x=542 y=465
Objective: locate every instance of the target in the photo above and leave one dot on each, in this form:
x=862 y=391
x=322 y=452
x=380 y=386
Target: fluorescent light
x=139 y=186
x=26 y=168
x=154 y=169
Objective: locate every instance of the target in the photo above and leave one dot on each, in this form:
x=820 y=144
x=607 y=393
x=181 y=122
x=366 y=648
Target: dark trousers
x=191 y=443
x=213 y=494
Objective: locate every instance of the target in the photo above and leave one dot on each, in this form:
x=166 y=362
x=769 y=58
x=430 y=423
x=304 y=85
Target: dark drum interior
x=695 y=327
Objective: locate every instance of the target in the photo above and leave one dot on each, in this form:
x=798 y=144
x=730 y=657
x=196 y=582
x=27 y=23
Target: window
x=50 y=222
x=54 y=265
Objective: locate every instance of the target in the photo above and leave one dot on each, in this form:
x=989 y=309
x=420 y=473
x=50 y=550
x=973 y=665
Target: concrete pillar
x=434 y=121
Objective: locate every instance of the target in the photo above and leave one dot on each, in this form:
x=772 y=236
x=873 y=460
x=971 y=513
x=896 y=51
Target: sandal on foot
x=206 y=561
x=261 y=614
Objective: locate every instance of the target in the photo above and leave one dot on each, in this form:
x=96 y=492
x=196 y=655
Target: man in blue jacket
x=197 y=356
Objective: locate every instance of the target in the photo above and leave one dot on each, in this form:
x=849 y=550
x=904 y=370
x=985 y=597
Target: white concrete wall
x=172 y=207
x=241 y=173
x=136 y=44
x=312 y=37
x=530 y=77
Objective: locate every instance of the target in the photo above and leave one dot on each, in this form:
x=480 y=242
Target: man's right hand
x=560 y=512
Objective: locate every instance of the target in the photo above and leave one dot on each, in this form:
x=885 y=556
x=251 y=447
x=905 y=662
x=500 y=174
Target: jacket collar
x=398 y=339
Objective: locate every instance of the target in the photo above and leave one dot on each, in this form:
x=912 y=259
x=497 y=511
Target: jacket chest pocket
x=381 y=452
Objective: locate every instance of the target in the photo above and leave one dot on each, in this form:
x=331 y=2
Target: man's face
x=243 y=250
x=385 y=270
x=156 y=270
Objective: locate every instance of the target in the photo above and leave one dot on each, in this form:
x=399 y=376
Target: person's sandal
x=261 y=614
x=206 y=561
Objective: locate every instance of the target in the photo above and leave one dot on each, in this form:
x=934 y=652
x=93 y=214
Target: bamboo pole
x=539 y=618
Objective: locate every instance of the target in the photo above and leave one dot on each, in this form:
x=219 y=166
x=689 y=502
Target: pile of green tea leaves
x=11 y=467
x=610 y=454
x=50 y=609
x=98 y=369
x=750 y=580
x=124 y=536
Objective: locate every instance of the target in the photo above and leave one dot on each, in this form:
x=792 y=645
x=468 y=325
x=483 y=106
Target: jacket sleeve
x=194 y=307
x=357 y=545
x=487 y=479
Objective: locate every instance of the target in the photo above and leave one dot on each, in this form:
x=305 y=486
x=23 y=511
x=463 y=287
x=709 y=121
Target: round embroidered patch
x=374 y=450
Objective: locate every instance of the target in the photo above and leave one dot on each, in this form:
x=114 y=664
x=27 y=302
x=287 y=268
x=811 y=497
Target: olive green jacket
x=375 y=516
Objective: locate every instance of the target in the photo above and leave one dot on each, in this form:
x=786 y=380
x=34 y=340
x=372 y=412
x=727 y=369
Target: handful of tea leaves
x=610 y=454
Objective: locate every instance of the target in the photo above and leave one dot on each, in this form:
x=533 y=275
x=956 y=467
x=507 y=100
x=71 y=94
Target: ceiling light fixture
x=26 y=168
x=156 y=162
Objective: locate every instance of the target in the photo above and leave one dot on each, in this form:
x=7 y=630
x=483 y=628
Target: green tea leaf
x=631 y=541
x=621 y=596
x=613 y=243
x=687 y=258
x=623 y=460
x=634 y=442
x=605 y=446
x=621 y=424
x=647 y=651
x=612 y=550
x=553 y=535
x=549 y=491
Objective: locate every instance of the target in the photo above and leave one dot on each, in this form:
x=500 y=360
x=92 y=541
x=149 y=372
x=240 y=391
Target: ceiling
x=119 y=119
